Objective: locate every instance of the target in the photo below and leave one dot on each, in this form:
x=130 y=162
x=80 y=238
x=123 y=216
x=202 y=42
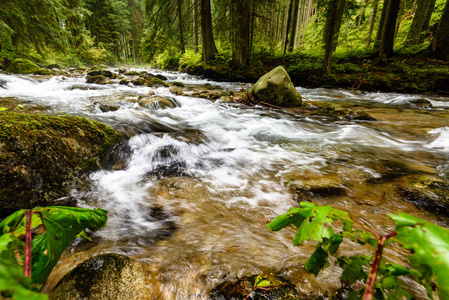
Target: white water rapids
x=230 y=163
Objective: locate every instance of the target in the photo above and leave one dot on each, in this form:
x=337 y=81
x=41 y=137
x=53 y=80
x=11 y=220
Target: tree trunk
x=372 y=20
x=389 y=29
x=420 y=21
x=181 y=27
x=241 y=42
x=381 y=25
x=195 y=26
x=294 y=25
x=208 y=42
x=289 y=21
x=333 y=23
x=440 y=42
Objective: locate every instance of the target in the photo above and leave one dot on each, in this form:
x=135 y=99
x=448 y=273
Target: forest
x=229 y=34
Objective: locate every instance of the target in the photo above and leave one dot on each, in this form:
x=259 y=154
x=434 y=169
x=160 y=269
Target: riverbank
x=415 y=74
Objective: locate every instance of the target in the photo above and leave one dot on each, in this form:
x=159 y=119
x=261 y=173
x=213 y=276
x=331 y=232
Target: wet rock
x=161 y=77
x=355 y=115
x=104 y=73
x=54 y=66
x=265 y=286
x=429 y=193
x=420 y=104
x=309 y=185
x=118 y=157
x=176 y=83
x=106 y=107
x=42 y=157
x=3 y=83
x=176 y=90
x=138 y=81
x=124 y=82
x=276 y=88
x=107 y=276
x=156 y=102
x=131 y=73
x=155 y=82
x=97 y=79
x=318 y=106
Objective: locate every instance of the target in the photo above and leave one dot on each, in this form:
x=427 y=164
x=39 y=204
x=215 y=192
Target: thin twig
x=367 y=228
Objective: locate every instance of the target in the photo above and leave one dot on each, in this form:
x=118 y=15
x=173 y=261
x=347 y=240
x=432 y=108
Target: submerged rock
x=264 y=286
x=276 y=88
x=107 y=276
x=97 y=79
x=429 y=193
x=41 y=156
x=315 y=184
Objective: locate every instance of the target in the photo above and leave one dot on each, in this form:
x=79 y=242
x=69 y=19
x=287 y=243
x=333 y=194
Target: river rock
x=420 y=104
x=276 y=88
x=3 y=83
x=97 y=79
x=308 y=185
x=161 y=77
x=42 y=157
x=107 y=276
x=156 y=102
x=54 y=66
x=264 y=286
x=176 y=90
x=105 y=73
x=427 y=192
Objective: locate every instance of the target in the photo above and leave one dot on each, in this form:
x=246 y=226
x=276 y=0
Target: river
x=190 y=193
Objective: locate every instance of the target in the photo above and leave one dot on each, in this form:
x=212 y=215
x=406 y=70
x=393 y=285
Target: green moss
x=43 y=156
x=22 y=66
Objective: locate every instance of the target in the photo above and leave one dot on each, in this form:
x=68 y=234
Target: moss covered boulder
x=42 y=156
x=24 y=66
x=427 y=192
x=156 y=102
x=107 y=276
x=276 y=88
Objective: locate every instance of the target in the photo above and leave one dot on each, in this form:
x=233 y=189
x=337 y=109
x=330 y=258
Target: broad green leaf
x=353 y=267
x=292 y=217
x=430 y=244
x=61 y=226
x=9 y=243
x=317 y=261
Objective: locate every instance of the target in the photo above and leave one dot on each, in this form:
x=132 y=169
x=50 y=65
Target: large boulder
x=107 y=276
x=42 y=157
x=276 y=88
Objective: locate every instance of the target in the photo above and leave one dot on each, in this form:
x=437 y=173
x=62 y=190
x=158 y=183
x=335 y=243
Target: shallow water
x=192 y=190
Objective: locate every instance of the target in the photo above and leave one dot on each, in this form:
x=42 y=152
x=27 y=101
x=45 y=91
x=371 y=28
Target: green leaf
x=317 y=261
x=353 y=267
x=61 y=226
x=13 y=284
x=3 y=108
x=292 y=217
x=430 y=244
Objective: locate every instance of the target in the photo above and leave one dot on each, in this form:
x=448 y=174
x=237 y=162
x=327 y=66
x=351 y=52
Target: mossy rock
x=420 y=104
x=155 y=82
x=264 y=286
x=314 y=184
x=97 y=79
x=276 y=88
x=22 y=66
x=429 y=193
x=107 y=276
x=177 y=83
x=156 y=102
x=42 y=156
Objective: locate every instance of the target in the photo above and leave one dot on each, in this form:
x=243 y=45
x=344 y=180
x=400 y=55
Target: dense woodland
x=236 y=33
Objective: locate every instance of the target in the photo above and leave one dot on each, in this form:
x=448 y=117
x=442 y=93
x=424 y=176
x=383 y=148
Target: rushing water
x=191 y=191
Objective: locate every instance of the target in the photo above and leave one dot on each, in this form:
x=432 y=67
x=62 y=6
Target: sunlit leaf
x=61 y=226
x=430 y=244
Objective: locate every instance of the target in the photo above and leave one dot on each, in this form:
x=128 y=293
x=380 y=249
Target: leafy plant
x=428 y=242
x=47 y=231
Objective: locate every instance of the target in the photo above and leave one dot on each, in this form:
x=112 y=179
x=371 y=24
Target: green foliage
x=429 y=243
x=189 y=58
x=54 y=229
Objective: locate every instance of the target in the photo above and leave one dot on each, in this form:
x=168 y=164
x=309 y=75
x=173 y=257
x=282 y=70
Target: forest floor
x=416 y=73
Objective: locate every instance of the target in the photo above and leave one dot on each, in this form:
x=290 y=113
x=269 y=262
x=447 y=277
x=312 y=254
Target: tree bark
x=421 y=21
x=294 y=25
x=208 y=42
x=333 y=23
x=381 y=25
x=440 y=42
x=195 y=25
x=289 y=21
x=372 y=20
x=389 y=29
x=241 y=42
x=181 y=27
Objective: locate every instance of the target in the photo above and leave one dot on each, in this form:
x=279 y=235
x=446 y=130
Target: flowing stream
x=189 y=194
